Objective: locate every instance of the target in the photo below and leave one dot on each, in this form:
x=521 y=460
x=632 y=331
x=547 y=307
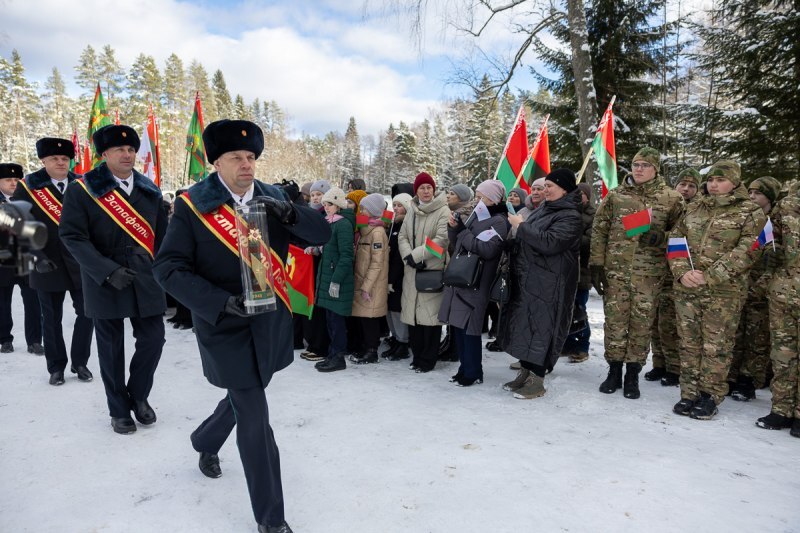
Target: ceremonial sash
x=46 y=201
x=221 y=222
x=126 y=217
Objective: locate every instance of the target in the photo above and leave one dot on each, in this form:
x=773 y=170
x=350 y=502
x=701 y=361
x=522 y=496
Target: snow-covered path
x=381 y=449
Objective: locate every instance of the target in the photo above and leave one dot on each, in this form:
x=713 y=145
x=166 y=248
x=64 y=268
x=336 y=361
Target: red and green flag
x=98 y=118
x=514 y=155
x=538 y=163
x=194 y=143
x=388 y=216
x=362 y=221
x=433 y=248
x=637 y=223
x=605 y=151
x=300 y=281
x=76 y=159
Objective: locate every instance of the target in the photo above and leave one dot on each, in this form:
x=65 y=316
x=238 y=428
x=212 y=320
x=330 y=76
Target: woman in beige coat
x=371 y=279
x=427 y=220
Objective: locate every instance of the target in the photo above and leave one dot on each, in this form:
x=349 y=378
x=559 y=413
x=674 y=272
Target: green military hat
x=768 y=186
x=730 y=170
x=691 y=175
x=649 y=155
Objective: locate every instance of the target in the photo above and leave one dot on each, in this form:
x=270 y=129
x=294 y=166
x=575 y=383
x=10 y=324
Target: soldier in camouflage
x=720 y=230
x=629 y=271
x=751 y=349
x=784 y=319
x=664 y=333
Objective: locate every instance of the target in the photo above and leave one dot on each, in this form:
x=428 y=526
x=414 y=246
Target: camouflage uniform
x=635 y=271
x=784 y=311
x=720 y=231
x=752 y=346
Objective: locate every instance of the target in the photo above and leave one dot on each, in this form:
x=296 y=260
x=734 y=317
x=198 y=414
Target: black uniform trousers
x=247 y=410
x=315 y=332
x=110 y=336
x=33 y=314
x=55 y=351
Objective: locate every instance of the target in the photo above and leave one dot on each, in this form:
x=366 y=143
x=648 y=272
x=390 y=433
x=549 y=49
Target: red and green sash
x=46 y=201
x=221 y=222
x=126 y=217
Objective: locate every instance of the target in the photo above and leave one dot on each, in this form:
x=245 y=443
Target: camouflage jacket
x=785 y=281
x=720 y=231
x=617 y=252
x=760 y=273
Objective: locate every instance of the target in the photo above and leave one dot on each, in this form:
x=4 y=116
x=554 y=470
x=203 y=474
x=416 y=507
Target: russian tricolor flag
x=765 y=237
x=677 y=247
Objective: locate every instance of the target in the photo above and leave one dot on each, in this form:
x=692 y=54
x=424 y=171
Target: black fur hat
x=10 y=170
x=48 y=146
x=230 y=135
x=113 y=136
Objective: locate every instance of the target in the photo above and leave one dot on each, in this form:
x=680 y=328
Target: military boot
x=705 y=408
x=795 y=431
x=631 y=387
x=332 y=363
x=655 y=374
x=614 y=379
x=774 y=421
x=745 y=389
x=670 y=379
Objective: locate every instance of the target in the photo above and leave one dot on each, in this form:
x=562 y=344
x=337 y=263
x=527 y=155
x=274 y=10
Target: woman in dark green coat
x=335 y=277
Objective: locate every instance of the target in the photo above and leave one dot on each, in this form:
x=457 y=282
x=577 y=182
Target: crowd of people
x=706 y=274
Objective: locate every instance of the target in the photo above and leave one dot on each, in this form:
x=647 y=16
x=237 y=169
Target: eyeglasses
x=642 y=166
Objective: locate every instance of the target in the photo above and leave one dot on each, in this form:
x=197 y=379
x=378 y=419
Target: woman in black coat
x=544 y=278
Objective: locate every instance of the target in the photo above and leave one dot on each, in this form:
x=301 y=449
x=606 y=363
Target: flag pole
x=579 y=177
x=520 y=113
x=530 y=154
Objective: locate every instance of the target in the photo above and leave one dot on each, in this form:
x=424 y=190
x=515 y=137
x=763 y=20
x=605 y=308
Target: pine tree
x=177 y=107
x=57 y=112
x=23 y=116
x=198 y=82
x=405 y=160
x=240 y=110
x=483 y=145
x=110 y=74
x=88 y=71
x=222 y=98
x=353 y=166
x=425 y=157
x=144 y=88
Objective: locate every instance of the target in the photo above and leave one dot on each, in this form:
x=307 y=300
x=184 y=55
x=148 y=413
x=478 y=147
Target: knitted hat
x=116 y=135
x=373 y=204
x=322 y=186
x=422 y=178
x=649 y=155
x=335 y=196
x=564 y=178
x=727 y=169
x=404 y=199
x=494 y=190
x=51 y=146
x=768 y=186
x=356 y=197
x=689 y=174
x=463 y=192
x=586 y=189
x=306 y=188
x=538 y=183
x=10 y=170
x=223 y=136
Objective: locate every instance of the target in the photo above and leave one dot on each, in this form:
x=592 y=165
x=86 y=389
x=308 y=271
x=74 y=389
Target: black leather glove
x=44 y=265
x=121 y=278
x=652 y=238
x=599 y=279
x=234 y=306
x=410 y=261
x=773 y=259
x=282 y=210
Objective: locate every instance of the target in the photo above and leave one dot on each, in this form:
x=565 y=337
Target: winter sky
x=322 y=61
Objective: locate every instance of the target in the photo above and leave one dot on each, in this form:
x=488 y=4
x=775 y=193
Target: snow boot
x=462 y=381
x=631 y=387
x=515 y=366
x=683 y=407
x=370 y=356
x=532 y=388
x=393 y=345
x=578 y=357
x=670 y=379
x=745 y=389
x=795 y=431
x=774 y=421
x=614 y=379
x=655 y=374
x=705 y=408
x=517 y=382
x=400 y=352
x=493 y=346
x=332 y=363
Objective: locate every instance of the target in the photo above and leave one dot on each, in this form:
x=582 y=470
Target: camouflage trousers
x=664 y=334
x=706 y=327
x=630 y=306
x=752 y=346
x=784 y=319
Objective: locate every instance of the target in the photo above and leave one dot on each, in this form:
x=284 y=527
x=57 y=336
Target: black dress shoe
x=83 y=373
x=209 y=465
x=57 y=378
x=6 y=347
x=36 y=349
x=283 y=528
x=143 y=412
x=123 y=426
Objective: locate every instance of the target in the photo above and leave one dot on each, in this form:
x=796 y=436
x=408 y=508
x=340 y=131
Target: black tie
x=61 y=187
x=125 y=185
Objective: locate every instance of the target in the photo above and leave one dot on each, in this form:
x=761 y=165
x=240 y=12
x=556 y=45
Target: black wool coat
x=396 y=268
x=196 y=268
x=544 y=279
x=100 y=246
x=67 y=275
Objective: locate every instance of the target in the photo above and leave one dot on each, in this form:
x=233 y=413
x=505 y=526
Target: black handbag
x=464 y=271
x=499 y=293
x=426 y=281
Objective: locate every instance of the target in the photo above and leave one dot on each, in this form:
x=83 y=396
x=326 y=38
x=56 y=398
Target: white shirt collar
x=239 y=200
x=56 y=182
x=125 y=184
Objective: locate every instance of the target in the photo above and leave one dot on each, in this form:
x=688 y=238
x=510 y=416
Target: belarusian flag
x=194 y=143
x=300 y=281
x=605 y=151
x=433 y=248
x=388 y=216
x=514 y=155
x=637 y=223
x=538 y=164
x=362 y=221
x=148 y=150
x=97 y=120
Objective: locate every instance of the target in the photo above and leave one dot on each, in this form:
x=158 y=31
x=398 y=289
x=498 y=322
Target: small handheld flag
x=388 y=217
x=433 y=248
x=362 y=221
x=678 y=247
x=765 y=237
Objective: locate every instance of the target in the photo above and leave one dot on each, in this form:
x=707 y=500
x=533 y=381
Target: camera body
x=20 y=235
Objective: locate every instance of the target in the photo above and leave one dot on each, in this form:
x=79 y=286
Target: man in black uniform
x=113 y=223
x=57 y=272
x=199 y=265
x=10 y=174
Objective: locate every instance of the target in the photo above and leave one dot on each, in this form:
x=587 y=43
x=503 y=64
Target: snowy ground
x=381 y=449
